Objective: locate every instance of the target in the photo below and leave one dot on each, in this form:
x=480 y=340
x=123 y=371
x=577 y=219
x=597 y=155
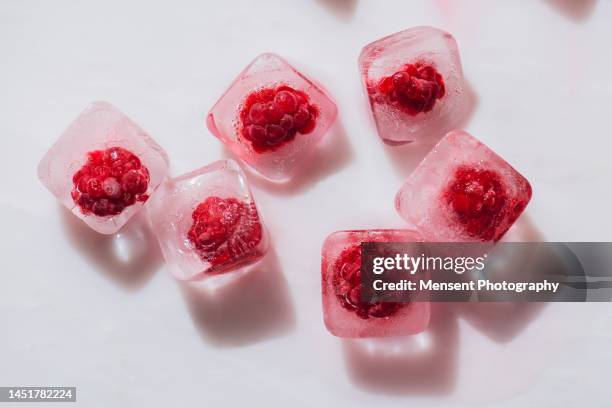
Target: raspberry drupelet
x=110 y=181
x=271 y=117
x=347 y=286
x=224 y=229
x=414 y=88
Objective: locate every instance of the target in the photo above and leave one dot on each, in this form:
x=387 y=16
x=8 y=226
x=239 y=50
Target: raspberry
x=109 y=181
x=413 y=89
x=271 y=117
x=478 y=198
x=224 y=230
x=347 y=285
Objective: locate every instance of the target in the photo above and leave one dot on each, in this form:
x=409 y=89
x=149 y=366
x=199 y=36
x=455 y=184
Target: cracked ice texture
x=386 y=56
x=99 y=127
x=421 y=200
x=171 y=215
x=270 y=70
x=411 y=318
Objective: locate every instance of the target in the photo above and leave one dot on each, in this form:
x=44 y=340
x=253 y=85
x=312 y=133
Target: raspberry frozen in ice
x=345 y=314
x=207 y=222
x=477 y=198
x=110 y=181
x=223 y=229
x=413 y=89
x=414 y=83
x=272 y=117
x=346 y=281
x=103 y=167
x=463 y=191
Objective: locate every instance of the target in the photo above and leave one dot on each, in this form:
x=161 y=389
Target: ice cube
x=272 y=116
x=207 y=223
x=344 y=313
x=415 y=84
x=103 y=167
x=463 y=191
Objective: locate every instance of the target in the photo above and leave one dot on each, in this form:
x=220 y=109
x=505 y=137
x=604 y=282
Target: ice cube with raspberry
x=272 y=117
x=414 y=83
x=207 y=223
x=344 y=312
x=463 y=191
x=103 y=168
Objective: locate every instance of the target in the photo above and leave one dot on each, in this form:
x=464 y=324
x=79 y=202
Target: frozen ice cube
x=207 y=223
x=344 y=313
x=272 y=116
x=415 y=84
x=103 y=167
x=463 y=191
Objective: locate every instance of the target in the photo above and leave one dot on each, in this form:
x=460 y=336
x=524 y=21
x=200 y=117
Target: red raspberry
x=413 y=89
x=224 y=230
x=271 y=117
x=347 y=285
x=478 y=198
x=109 y=181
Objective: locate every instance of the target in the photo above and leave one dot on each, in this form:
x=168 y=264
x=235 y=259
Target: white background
x=103 y=314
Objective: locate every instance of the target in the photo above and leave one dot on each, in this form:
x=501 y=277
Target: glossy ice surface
x=230 y=238
x=342 y=321
x=99 y=127
x=269 y=71
x=387 y=56
x=487 y=200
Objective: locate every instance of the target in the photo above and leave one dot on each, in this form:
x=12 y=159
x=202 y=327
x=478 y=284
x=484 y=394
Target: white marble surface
x=104 y=315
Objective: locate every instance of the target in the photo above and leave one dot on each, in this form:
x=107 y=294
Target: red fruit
x=224 y=230
x=286 y=101
x=94 y=187
x=301 y=117
x=272 y=113
x=109 y=181
x=414 y=89
x=275 y=134
x=134 y=182
x=287 y=122
x=347 y=286
x=256 y=114
x=111 y=187
x=479 y=200
x=271 y=117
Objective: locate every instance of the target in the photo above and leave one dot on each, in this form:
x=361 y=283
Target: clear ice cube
x=463 y=191
x=207 y=223
x=414 y=83
x=344 y=313
x=272 y=117
x=103 y=167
